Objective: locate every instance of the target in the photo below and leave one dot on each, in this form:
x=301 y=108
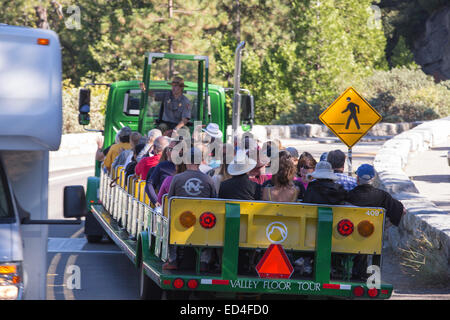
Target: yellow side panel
x=142 y=193
x=135 y=190
x=122 y=177
x=261 y=223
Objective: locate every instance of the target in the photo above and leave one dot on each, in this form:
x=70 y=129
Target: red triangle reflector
x=275 y=263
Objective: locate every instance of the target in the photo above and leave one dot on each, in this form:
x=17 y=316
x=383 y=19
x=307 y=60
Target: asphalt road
x=107 y=274
x=76 y=269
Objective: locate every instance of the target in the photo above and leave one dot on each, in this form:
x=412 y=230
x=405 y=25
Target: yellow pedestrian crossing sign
x=350 y=117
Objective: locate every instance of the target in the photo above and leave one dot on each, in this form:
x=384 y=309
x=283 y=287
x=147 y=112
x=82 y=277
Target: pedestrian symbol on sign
x=351 y=107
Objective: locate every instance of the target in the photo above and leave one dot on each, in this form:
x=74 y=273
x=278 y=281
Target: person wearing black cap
x=365 y=195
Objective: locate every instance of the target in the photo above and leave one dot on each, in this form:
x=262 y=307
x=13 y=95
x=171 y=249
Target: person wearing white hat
x=213 y=130
x=239 y=186
x=323 y=189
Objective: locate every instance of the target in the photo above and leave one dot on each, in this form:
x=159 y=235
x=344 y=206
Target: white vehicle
x=30 y=127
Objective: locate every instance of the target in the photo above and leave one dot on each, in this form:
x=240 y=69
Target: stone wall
x=309 y=130
x=423 y=217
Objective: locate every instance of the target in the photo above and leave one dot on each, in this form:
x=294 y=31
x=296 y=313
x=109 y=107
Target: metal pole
x=349 y=161
x=237 y=87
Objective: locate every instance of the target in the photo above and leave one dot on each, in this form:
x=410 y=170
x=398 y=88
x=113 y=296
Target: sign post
x=350 y=117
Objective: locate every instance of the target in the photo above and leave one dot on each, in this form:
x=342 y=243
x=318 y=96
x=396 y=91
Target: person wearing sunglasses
x=306 y=165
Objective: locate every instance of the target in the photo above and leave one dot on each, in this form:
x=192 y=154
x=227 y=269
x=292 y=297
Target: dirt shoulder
x=406 y=287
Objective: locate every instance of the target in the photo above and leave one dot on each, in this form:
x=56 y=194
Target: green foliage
x=70 y=108
x=399 y=95
x=302 y=113
x=299 y=55
x=402 y=55
x=406 y=94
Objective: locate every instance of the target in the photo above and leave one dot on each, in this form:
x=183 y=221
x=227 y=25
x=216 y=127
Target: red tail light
x=358 y=291
x=207 y=220
x=192 y=284
x=178 y=283
x=345 y=227
x=372 y=292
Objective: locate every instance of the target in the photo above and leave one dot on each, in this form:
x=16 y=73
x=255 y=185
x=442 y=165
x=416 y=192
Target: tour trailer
x=261 y=247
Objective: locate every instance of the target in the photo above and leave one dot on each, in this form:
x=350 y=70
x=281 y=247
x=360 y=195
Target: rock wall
x=432 y=48
x=423 y=217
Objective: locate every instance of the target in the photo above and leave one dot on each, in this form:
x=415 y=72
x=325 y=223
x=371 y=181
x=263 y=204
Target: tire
x=148 y=289
x=93 y=238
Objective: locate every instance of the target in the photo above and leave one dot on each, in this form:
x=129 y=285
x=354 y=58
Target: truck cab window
x=155 y=104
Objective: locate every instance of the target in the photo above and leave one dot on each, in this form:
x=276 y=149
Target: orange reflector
x=16 y=279
x=43 y=41
x=8 y=269
x=365 y=228
x=187 y=219
x=274 y=263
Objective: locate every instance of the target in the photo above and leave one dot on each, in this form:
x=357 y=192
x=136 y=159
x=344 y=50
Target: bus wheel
x=148 y=289
x=94 y=238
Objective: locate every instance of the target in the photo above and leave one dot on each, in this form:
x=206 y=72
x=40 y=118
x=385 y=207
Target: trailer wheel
x=94 y=238
x=148 y=289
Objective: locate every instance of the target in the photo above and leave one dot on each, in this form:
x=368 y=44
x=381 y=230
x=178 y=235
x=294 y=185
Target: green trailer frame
x=142 y=233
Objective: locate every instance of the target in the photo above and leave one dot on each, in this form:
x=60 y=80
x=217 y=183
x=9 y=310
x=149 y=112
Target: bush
x=302 y=113
x=404 y=94
x=70 y=108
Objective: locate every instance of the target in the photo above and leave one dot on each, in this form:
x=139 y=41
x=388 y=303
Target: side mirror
x=84 y=101
x=74 y=202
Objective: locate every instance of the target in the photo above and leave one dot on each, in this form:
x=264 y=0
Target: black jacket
x=368 y=196
x=324 y=191
x=241 y=188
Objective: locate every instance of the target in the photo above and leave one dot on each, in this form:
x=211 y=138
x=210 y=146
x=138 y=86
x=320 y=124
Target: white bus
x=30 y=127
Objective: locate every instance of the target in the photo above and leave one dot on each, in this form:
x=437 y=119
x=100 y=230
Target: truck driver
x=176 y=107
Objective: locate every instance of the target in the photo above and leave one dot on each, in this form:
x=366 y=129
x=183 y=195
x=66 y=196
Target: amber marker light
x=7 y=269
x=187 y=219
x=43 y=41
x=365 y=228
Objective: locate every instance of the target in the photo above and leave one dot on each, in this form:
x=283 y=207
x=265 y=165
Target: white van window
x=5 y=205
